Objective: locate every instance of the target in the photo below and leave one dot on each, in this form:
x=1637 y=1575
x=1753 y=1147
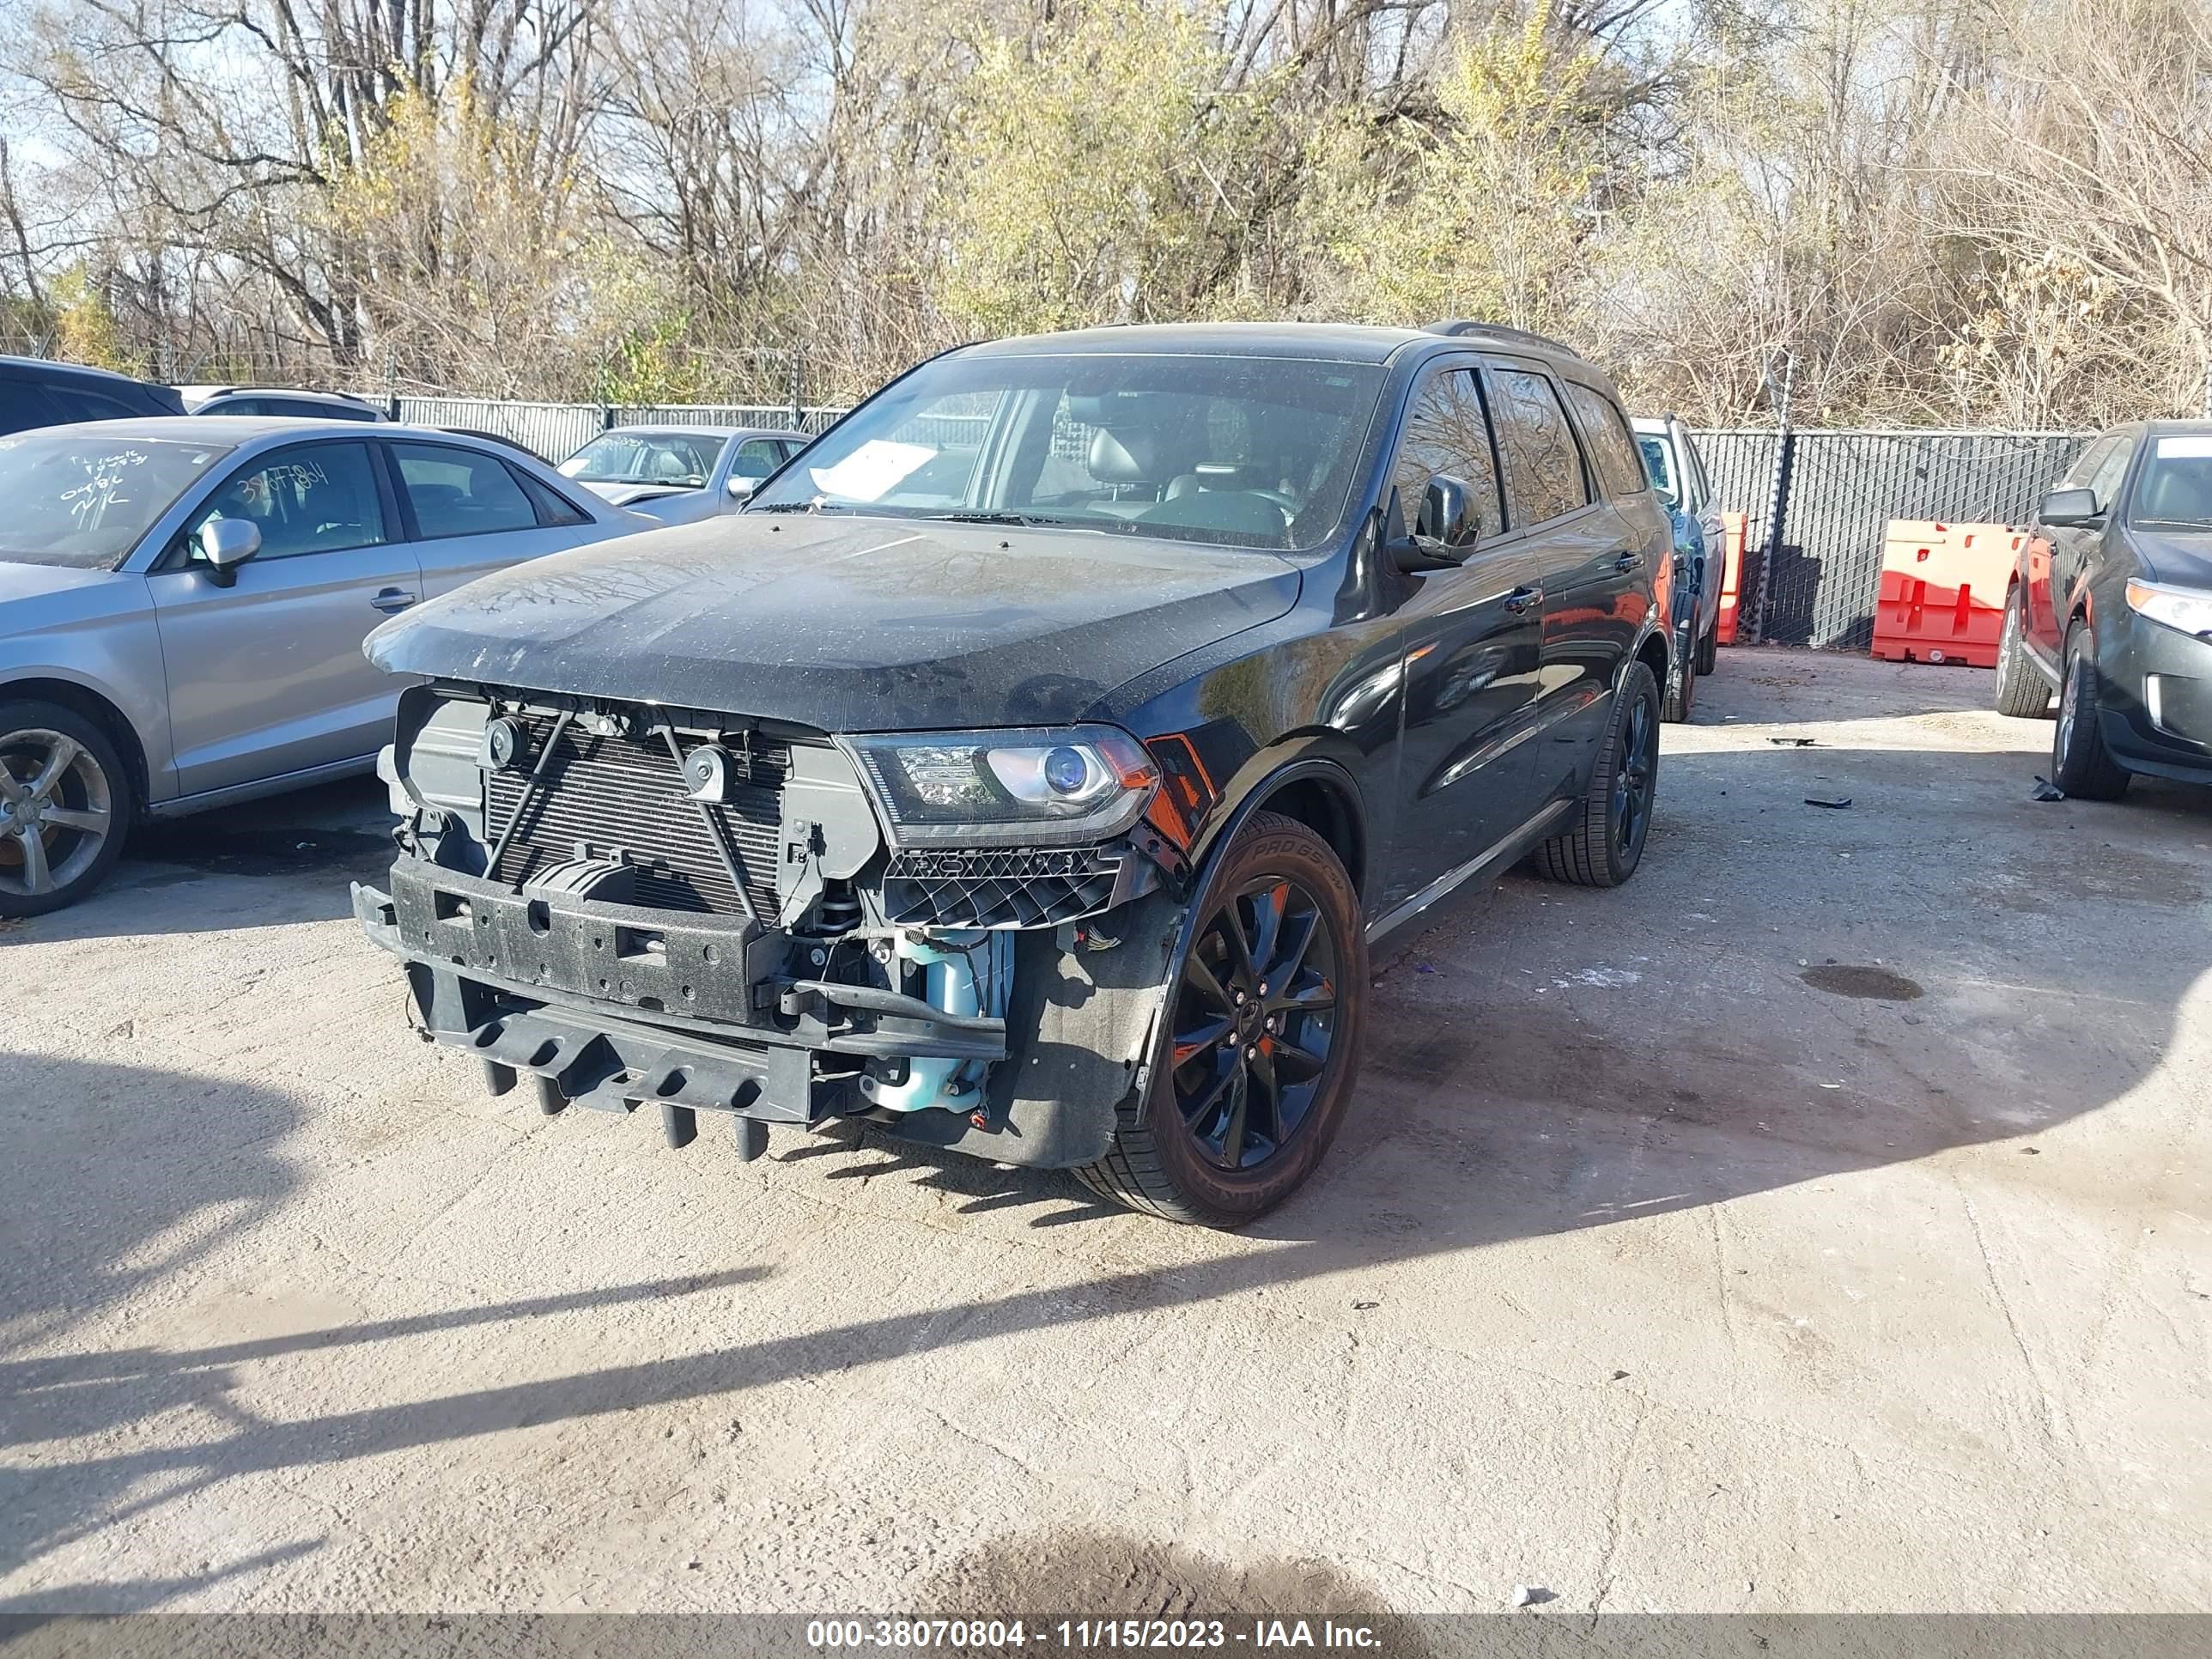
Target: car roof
x=682 y=429
x=1332 y=342
x=209 y=393
x=1346 y=342
x=74 y=371
x=233 y=431
x=1654 y=424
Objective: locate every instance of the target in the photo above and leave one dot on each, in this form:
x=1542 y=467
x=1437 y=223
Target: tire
x=1227 y=1028
x=1606 y=842
x=2080 y=762
x=1709 y=648
x=57 y=843
x=1682 y=691
x=2022 y=692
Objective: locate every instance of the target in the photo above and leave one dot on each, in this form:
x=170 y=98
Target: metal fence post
x=1777 y=510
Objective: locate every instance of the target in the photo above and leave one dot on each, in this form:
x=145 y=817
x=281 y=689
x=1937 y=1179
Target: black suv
x=1029 y=770
x=2111 y=607
x=36 y=393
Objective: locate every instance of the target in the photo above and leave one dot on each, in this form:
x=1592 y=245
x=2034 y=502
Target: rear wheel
x=1606 y=841
x=2080 y=762
x=64 y=802
x=1681 y=690
x=1259 y=1044
x=2022 y=692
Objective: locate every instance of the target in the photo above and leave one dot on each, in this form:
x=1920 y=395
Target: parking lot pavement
x=1819 y=1222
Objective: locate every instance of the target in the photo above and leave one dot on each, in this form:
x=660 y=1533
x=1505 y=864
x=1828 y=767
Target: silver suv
x=183 y=602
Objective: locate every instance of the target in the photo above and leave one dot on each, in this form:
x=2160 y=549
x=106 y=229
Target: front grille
x=623 y=796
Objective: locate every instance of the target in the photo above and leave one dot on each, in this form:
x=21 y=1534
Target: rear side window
x=313 y=498
x=1543 y=468
x=23 y=404
x=1447 y=432
x=459 y=492
x=552 y=509
x=75 y=404
x=1612 y=452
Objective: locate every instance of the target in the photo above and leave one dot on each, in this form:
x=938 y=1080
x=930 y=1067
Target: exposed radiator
x=625 y=795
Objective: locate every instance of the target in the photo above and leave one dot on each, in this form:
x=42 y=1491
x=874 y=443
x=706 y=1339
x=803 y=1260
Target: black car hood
x=2176 y=556
x=851 y=624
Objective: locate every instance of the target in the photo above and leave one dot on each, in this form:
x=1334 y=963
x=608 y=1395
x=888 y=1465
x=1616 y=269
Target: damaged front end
x=963 y=937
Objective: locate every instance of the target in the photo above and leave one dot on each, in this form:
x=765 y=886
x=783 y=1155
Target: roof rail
x=1501 y=333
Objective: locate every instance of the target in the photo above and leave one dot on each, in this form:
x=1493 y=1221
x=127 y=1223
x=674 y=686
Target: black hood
x=2175 y=556
x=848 y=624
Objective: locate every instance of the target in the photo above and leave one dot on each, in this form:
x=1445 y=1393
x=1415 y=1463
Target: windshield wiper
x=817 y=505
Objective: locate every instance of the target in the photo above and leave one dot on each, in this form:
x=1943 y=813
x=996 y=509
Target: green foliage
x=1483 y=210
x=85 y=330
x=1091 y=172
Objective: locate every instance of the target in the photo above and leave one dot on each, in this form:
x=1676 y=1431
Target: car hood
x=851 y=624
x=34 y=597
x=2176 y=555
x=622 y=494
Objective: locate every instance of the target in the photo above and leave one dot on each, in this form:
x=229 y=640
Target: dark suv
x=1030 y=768
x=2110 y=608
x=36 y=393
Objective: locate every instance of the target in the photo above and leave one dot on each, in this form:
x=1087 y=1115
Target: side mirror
x=741 y=488
x=2070 y=509
x=1444 y=533
x=223 y=545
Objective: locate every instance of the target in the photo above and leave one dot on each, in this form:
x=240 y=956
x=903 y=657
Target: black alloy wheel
x=1603 y=841
x=1254 y=1018
x=2080 y=763
x=1258 y=1045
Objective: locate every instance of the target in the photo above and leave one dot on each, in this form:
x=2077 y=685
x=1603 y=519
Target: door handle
x=392 y=598
x=1524 y=597
x=1626 y=560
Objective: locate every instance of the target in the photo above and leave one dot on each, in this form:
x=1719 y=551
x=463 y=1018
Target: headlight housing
x=2187 y=609
x=1026 y=787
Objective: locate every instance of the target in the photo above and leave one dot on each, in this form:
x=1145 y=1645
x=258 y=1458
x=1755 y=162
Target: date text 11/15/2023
x=1086 y=1633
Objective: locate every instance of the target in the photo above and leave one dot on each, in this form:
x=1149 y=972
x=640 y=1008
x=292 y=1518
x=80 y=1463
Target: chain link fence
x=1819 y=500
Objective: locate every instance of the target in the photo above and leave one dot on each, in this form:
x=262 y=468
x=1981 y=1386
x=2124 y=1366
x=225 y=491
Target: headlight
x=2189 y=608
x=1017 y=788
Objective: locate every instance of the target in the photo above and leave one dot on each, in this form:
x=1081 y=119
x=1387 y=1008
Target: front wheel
x=2080 y=762
x=1259 y=1040
x=1709 y=648
x=1605 y=841
x=66 y=801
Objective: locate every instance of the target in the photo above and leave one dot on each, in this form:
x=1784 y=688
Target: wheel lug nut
x=1263 y=988
x=1237 y=997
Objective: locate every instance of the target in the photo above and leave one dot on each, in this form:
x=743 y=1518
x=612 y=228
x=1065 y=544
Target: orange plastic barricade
x=1943 y=590
x=1733 y=525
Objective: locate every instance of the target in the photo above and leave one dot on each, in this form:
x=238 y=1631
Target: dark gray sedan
x=2110 y=608
x=182 y=603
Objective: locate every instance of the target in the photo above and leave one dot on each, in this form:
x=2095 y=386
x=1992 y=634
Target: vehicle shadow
x=268 y=863
x=1783 y=995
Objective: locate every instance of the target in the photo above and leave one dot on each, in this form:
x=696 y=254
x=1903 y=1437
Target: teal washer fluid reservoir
x=965 y=971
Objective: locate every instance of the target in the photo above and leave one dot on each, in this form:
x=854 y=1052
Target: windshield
x=1240 y=452
x=678 y=460
x=82 y=496
x=1659 y=465
x=2175 y=490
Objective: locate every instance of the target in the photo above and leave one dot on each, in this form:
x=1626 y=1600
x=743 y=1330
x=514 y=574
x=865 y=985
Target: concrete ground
x=1818 y=1222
